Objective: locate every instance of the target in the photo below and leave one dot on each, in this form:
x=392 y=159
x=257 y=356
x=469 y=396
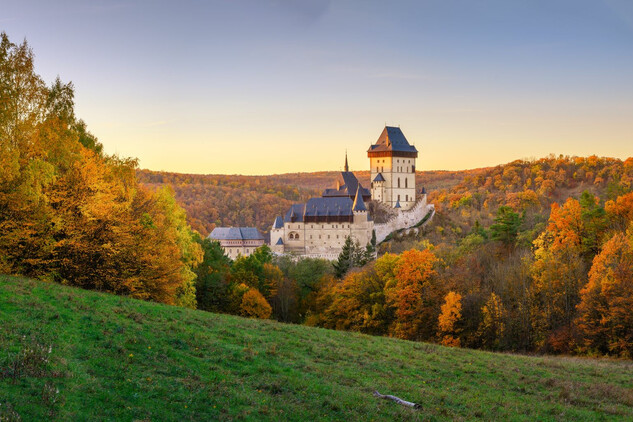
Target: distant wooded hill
x=234 y=200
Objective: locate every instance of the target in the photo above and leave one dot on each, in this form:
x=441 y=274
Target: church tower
x=392 y=167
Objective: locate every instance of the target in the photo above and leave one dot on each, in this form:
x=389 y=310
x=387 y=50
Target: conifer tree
x=352 y=256
x=345 y=258
x=506 y=227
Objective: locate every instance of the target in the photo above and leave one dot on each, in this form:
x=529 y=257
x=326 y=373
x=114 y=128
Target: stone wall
x=404 y=219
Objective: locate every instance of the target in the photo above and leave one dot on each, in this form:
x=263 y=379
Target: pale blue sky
x=270 y=86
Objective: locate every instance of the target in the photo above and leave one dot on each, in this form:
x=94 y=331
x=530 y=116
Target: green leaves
x=506 y=227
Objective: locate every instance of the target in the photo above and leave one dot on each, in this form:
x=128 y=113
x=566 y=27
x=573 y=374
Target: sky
x=278 y=86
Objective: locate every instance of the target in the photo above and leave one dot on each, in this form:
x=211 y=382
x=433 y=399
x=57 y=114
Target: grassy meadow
x=70 y=354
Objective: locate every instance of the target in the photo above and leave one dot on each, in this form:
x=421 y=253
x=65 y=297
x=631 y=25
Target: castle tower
x=392 y=167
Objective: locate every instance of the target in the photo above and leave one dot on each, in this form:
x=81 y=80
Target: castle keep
x=392 y=166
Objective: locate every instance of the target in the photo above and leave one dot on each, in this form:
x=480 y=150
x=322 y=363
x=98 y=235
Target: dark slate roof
x=379 y=178
x=327 y=206
x=236 y=233
x=392 y=139
x=335 y=192
x=397 y=204
x=295 y=210
x=279 y=242
x=279 y=223
x=359 y=205
x=349 y=187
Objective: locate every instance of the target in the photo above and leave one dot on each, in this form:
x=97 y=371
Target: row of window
x=381 y=169
x=332 y=226
x=406 y=183
x=397 y=161
x=237 y=250
x=295 y=236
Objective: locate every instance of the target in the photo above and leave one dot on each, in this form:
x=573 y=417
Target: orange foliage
x=254 y=305
x=451 y=314
x=565 y=224
x=620 y=211
x=415 y=295
x=605 y=318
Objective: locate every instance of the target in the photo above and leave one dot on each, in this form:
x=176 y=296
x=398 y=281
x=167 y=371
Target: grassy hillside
x=70 y=354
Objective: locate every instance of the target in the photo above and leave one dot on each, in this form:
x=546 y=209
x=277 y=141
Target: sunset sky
x=275 y=86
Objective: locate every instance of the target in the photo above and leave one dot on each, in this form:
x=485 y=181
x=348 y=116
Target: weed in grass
x=272 y=350
x=51 y=398
x=8 y=413
x=31 y=361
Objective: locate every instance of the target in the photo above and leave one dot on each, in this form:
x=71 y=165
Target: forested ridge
x=235 y=200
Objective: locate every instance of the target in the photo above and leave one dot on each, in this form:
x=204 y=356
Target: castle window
x=297 y=236
x=398 y=182
x=406 y=198
x=406 y=184
x=292 y=236
x=398 y=197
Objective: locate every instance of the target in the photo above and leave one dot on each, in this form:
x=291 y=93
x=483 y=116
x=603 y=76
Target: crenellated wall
x=404 y=219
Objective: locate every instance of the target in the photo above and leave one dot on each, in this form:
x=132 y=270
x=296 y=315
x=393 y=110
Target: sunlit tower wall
x=392 y=166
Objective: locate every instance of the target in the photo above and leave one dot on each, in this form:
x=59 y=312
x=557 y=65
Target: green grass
x=113 y=358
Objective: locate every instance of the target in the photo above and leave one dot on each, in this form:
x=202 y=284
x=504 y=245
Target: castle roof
x=321 y=208
x=236 y=233
x=359 y=205
x=279 y=242
x=392 y=140
x=279 y=223
x=349 y=187
x=379 y=178
x=397 y=204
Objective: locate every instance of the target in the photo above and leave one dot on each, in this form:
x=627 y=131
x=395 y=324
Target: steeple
x=359 y=204
x=346 y=166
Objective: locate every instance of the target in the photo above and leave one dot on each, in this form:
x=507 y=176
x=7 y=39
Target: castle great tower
x=392 y=166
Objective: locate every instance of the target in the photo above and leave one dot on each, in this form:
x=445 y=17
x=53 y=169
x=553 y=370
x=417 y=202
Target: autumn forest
x=531 y=256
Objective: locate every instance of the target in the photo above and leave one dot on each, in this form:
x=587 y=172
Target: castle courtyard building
x=319 y=227
x=237 y=241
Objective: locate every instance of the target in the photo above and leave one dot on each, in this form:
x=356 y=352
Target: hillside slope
x=70 y=354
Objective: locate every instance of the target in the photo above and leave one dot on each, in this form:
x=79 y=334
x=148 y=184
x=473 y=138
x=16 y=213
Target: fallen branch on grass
x=397 y=400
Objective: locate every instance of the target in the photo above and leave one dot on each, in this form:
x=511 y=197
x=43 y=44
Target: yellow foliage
x=254 y=305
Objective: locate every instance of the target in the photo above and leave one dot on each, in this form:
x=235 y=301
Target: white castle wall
x=403 y=220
